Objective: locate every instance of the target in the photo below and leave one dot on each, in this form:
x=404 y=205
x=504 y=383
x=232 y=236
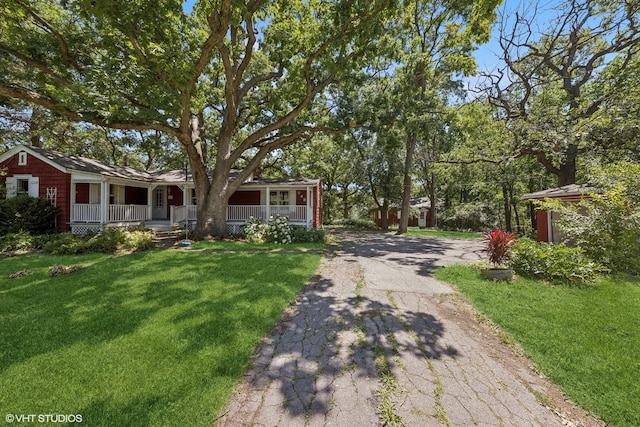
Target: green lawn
x=157 y=338
x=433 y=232
x=586 y=340
x=242 y=245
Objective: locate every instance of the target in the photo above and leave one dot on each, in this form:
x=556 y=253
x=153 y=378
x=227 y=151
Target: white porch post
x=268 y=211
x=309 y=208
x=104 y=202
x=150 y=202
x=73 y=199
x=549 y=226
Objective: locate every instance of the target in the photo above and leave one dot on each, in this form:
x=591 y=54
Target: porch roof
x=292 y=182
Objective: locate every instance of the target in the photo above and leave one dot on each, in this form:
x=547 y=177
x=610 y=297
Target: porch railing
x=237 y=213
x=124 y=213
x=90 y=213
x=241 y=213
x=85 y=212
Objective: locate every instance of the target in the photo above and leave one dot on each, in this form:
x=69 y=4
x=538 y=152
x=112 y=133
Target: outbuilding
x=547 y=229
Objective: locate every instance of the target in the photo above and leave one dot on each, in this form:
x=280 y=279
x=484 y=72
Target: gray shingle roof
x=571 y=190
x=83 y=164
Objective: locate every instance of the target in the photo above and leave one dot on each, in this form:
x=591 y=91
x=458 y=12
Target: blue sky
x=487 y=56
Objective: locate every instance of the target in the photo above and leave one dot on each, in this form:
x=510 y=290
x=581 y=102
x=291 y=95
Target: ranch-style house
x=93 y=195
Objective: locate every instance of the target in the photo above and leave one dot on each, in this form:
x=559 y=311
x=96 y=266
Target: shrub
x=138 y=240
x=25 y=241
x=16 y=242
x=499 y=243
x=607 y=224
x=255 y=230
x=110 y=240
x=470 y=216
x=25 y=213
x=279 y=231
x=300 y=234
x=555 y=263
x=67 y=244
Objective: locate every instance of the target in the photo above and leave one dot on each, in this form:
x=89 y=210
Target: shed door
x=422 y=219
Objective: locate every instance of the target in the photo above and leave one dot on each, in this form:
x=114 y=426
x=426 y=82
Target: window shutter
x=12 y=186
x=34 y=186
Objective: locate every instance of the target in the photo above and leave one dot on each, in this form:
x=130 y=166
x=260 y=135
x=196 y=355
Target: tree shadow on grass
x=147 y=315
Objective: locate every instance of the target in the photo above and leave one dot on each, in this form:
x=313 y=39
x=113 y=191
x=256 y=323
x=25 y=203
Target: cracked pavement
x=374 y=339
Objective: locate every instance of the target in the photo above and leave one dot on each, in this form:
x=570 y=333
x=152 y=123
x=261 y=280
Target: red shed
x=547 y=231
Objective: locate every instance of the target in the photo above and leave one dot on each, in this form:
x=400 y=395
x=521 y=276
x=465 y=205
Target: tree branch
x=89 y=117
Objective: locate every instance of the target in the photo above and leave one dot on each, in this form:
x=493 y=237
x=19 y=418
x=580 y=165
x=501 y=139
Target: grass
x=242 y=245
x=585 y=340
x=154 y=338
x=433 y=232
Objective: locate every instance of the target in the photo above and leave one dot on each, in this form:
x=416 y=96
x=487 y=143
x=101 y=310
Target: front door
x=160 y=203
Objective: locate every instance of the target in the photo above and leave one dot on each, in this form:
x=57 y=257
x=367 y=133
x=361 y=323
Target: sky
x=487 y=55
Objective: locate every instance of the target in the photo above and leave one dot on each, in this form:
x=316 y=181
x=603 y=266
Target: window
x=22 y=187
x=159 y=198
x=193 y=197
x=279 y=198
x=22 y=158
x=116 y=194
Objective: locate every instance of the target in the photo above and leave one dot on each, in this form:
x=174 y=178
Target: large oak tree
x=561 y=85
x=230 y=80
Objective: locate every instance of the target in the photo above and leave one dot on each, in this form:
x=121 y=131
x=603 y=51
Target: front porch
x=110 y=204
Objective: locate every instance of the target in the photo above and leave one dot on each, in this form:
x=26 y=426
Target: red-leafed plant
x=498 y=244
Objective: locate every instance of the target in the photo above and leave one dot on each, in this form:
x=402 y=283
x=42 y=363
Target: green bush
x=67 y=244
x=606 y=224
x=16 y=242
x=24 y=241
x=470 y=216
x=300 y=234
x=555 y=263
x=25 y=213
x=110 y=240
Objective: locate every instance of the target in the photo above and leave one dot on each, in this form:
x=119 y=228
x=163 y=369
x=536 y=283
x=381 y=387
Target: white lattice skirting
x=86 y=228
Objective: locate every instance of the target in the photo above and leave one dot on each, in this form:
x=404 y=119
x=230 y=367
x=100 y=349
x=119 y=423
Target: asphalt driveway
x=374 y=339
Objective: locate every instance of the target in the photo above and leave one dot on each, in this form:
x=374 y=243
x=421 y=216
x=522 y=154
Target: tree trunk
x=212 y=193
x=514 y=205
x=345 y=203
x=406 y=187
x=384 y=216
x=567 y=173
x=507 y=207
x=433 y=221
x=211 y=219
x=35 y=126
